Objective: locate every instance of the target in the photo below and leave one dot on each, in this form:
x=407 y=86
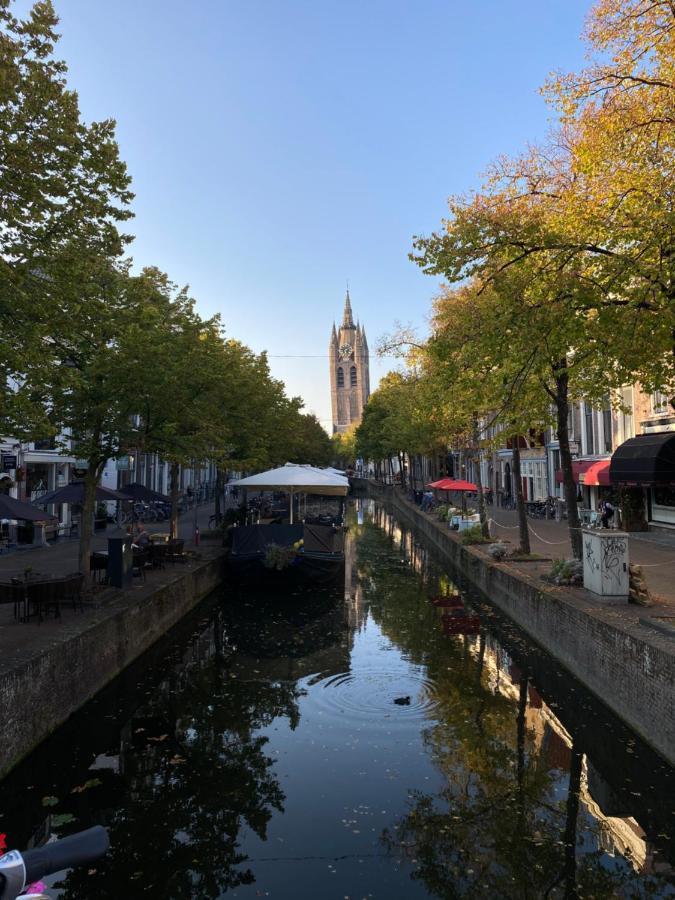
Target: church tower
x=349 y=362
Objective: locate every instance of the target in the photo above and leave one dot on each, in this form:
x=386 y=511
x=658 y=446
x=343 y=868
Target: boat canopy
x=297 y=479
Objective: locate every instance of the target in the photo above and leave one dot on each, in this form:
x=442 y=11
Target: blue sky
x=282 y=147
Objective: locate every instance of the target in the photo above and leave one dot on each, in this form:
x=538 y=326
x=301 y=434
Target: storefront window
x=37 y=480
x=664 y=496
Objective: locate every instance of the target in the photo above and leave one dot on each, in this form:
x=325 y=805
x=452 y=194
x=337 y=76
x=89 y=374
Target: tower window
x=340 y=377
x=352 y=376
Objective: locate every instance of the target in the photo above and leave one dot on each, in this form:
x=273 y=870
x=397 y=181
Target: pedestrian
x=606 y=512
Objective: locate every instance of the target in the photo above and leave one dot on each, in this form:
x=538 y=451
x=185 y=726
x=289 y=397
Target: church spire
x=347 y=319
x=334 y=337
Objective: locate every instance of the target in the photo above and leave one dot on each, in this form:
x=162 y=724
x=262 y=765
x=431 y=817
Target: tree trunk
x=521 y=732
x=174 y=499
x=482 y=512
x=219 y=490
x=87 y=518
x=524 y=531
x=562 y=413
x=570 y=835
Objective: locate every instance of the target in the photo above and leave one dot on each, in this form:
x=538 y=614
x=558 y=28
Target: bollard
x=197 y=536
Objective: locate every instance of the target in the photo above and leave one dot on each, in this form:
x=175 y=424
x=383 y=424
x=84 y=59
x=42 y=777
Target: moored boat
x=286 y=553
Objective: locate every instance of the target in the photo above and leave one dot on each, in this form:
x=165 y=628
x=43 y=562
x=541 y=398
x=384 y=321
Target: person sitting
x=142 y=537
x=606 y=513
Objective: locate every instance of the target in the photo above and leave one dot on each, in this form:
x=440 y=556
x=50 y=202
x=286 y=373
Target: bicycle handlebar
x=19 y=869
x=76 y=850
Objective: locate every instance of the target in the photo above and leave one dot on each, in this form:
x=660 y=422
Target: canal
x=380 y=738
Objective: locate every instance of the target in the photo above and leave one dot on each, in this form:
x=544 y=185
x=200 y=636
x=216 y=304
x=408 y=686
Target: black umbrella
x=143 y=494
x=16 y=509
x=74 y=493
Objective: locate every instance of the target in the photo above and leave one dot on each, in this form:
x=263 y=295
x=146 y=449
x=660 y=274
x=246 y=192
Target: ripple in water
x=372 y=693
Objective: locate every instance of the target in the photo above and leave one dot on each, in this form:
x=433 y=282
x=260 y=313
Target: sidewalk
x=654 y=551
x=19 y=641
x=61 y=558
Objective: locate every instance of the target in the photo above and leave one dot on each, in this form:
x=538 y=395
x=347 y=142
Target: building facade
x=349 y=362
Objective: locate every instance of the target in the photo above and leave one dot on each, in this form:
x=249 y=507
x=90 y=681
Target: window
x=588 y=415
x=625 y=415
x=352 y=376
x=340 y=377
x=607 y=425
x=660 y=403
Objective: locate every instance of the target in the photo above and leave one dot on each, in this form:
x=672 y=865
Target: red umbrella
x=453 y=484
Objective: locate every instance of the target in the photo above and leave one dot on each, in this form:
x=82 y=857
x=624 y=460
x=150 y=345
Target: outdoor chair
x=71 y=588
x=175 y=551
x=40 y=597
x=158 y=554
x=13 y=593
x=141 y=558
x=98 y=563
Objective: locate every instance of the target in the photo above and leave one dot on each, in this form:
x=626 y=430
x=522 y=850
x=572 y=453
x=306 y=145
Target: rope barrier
x=543 y=540
x=670 y=562
x=492 y=521
x=508 y=527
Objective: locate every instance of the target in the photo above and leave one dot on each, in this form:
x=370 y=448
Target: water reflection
x=393 y=738
x=525 y=811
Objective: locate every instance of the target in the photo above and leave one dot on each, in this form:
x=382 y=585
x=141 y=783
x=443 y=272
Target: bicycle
x=21 y=870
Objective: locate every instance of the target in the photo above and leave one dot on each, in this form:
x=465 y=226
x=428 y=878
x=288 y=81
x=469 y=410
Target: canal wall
x=45 y=681
x=629 y=666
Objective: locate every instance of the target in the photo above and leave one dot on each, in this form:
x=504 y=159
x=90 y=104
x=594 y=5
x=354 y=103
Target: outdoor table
x=29 y=579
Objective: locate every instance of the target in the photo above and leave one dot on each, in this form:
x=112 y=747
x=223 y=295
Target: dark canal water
x=260 y=751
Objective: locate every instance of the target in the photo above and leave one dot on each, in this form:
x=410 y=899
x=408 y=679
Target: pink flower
x=38 y=887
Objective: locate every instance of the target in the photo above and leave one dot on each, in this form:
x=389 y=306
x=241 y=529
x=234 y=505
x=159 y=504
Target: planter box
x=465 y=524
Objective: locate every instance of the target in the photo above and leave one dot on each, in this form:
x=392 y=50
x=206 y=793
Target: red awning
x=591 y=472
x=453 y=484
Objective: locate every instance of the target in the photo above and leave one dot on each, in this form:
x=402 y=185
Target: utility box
x=120 y=562
x=606 y=563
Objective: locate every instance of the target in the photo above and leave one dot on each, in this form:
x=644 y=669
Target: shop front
x=646 y=464
x=591 y=477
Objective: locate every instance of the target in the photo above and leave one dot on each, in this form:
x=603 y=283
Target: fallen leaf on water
x=62 y=819
x=93 y=782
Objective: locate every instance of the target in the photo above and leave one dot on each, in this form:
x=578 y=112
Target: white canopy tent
x=295 y=479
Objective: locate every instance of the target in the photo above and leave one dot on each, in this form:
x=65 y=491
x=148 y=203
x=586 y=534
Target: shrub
x=497 y=551
x=442 y=512
x=277 y=557
x=233 y=516
x=567 y=571
x=473 y=535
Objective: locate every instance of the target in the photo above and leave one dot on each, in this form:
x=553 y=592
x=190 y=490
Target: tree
x=63 y=188
x=311 y=443
x=343 y=448
x=396 y=423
